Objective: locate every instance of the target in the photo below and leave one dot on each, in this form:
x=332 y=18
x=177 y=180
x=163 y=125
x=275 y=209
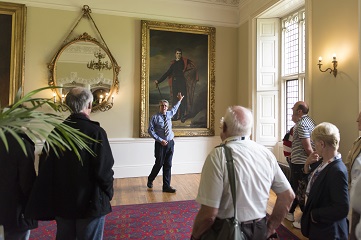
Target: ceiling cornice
x=233 y=3
x=228 y=13
x=204 y=12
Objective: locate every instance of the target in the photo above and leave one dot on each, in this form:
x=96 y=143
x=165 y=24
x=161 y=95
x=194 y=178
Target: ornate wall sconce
x=60 y=106
x=332 y=70
x=104 y=103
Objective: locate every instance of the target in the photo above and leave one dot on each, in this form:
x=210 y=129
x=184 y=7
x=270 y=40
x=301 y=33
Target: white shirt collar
x=235 y=138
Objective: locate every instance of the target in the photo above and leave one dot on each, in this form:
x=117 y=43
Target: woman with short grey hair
x=327 y=200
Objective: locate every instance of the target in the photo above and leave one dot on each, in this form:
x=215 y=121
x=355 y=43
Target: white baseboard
x=144 y=170
x=134 y=157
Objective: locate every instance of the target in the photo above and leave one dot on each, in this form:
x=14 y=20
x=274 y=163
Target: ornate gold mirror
x=85 y=62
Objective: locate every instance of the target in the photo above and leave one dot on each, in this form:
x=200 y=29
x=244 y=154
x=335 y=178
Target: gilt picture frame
x=12 y=50
x=159 y=43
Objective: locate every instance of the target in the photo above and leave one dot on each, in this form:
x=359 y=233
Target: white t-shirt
x=257 y=171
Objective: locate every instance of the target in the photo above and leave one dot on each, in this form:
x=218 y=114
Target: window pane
x=303 y=38
x=291 y=99
x=291 y=45
x=293 y=59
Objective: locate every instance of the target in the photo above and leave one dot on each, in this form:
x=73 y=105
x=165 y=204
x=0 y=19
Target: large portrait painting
x=12 y=40
x=178 y=58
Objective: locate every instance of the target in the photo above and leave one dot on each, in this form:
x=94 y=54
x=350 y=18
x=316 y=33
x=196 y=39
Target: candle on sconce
x=62 y=98
x=54 y=97
x=100 y=98
x=112 y=99
x=333 y=69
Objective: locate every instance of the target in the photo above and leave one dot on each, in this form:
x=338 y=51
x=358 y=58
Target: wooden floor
x=135 y=191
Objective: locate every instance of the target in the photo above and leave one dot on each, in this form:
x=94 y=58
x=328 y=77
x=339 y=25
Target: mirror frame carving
x=85 y=37
x=107 y=103
x=17 y=59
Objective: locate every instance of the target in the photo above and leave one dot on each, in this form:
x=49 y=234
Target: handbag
x=229 y=228
x=301 y=191
x=302 y=186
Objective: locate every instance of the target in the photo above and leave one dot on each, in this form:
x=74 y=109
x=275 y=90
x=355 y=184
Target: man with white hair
x=256 y=173
x=81 y=190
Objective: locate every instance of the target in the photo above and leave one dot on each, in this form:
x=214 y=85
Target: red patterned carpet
x=168 y=220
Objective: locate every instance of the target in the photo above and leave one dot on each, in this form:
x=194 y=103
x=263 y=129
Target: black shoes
x=169 y=190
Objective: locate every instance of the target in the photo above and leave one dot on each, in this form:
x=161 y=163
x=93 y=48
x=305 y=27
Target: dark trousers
x=256 y=230
x=17 y=235
x=87 y=228
x=163 y=158
x=296 y=175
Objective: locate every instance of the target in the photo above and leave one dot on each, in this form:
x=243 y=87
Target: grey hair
x=328 y=133
x=164 y=101
x=79 y=99
x=239 y=121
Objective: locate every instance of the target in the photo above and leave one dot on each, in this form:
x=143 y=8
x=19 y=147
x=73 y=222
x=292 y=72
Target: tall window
x=291 y=99
x=293 y=61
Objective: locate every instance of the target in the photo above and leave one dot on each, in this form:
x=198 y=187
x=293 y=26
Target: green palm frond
x=24 y=116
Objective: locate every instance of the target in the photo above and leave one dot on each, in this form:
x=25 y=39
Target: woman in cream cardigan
x=353 y=163
x=356 y=208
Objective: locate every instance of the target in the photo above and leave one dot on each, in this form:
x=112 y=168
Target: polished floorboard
x=135 y=191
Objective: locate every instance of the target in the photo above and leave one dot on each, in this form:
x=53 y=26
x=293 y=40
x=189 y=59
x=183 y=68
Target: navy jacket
x=328 y=201
x=69 y=188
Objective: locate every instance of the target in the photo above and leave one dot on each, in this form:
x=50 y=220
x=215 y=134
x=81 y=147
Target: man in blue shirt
x=160 y=128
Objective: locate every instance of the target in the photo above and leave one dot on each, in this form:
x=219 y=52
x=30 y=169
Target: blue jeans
x=80 y=229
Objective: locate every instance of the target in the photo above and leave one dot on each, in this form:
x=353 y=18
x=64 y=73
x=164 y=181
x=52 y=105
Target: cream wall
x=332 y=28
x=244 y=86
x=46 y=30
x=336 y=100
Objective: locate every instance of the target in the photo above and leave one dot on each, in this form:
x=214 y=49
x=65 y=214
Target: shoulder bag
x=229 y=228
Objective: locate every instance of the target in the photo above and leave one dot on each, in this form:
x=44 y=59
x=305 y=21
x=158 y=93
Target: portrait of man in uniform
x=180 y=61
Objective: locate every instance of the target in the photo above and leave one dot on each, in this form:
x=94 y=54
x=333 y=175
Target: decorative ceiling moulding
x=249 y=9
x=206 y=12
x=233 y=3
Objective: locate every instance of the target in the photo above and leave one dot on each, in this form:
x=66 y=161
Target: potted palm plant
x=26 y=117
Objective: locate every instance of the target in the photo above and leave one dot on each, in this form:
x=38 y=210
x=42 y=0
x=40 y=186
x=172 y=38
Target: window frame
x=300 y=74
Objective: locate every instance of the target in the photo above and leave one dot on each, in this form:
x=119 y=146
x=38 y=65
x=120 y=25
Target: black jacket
x=17 y=175
x=73 y=189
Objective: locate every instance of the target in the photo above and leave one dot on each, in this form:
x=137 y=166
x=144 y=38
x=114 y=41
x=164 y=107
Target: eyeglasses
x=163 y=105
